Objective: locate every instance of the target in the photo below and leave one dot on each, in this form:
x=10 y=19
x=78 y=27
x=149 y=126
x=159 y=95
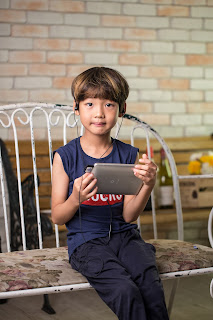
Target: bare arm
x=63 y=208
x=134 y=205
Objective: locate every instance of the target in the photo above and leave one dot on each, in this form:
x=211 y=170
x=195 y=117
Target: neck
x=96 y=147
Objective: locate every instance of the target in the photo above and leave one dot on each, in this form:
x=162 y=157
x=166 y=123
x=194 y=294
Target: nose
x=99 y=111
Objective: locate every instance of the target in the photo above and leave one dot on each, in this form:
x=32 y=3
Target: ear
x=122 y=113
x=76 y=108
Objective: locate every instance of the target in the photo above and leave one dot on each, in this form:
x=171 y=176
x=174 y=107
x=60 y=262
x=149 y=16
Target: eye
x=109 y=105
x=89 y=104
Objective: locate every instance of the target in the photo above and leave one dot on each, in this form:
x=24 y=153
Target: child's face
x=98 y=116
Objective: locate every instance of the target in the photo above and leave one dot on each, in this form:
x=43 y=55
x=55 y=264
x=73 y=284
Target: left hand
x=146 y=170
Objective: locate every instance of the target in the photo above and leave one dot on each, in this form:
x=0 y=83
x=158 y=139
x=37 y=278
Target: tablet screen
x=116 y=178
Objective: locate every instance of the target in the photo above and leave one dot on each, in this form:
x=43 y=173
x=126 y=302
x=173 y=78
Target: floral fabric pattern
x=31 y=269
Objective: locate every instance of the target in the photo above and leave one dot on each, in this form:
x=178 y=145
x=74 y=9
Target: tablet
x=116 y=178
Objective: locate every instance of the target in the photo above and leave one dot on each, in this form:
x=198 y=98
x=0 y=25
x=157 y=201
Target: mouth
x=99 y=124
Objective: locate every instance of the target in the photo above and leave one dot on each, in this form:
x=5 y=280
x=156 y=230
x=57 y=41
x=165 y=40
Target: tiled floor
x=193 y=302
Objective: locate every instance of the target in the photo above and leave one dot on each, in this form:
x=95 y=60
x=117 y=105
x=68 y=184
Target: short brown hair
x=101 y=83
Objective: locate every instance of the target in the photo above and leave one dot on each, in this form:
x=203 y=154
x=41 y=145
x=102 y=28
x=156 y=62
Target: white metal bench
x=47 y=270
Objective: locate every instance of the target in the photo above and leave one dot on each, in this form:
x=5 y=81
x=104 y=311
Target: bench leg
x=46 y=306
x=172 y=295
x=2 y=301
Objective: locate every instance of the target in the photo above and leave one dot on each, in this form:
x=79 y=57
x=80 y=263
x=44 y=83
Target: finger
x=86 y=175
x=82 y=182
x=90 y=186
x=142 y=167
x=148 y=168
x=145 y=160
x=142 y=173
x=87 y=179
x=145 y=171
x=92 y=193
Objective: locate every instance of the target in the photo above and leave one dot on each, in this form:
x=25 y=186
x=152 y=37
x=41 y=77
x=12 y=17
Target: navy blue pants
x=123 y=272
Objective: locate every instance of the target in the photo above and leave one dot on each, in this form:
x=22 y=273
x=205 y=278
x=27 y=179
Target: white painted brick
x=202 y=12
x=138 y=83
x=153 y=22
x=133 y=96
x=12 y=96
x=4 y=29
x=67 y=32
x=200 y=107
x=169 y=59
x=173 y=34
x=209 y=95
x=33 y=82
x=187 y=72
x=208 y=24
x=186 y=119
x=125 y=132
x=16 y=43
x=106 y=8
x=4 y=55
x=168 y=131
x=157 y=46
x=188 y=95
x=122 y=46
x=126 y=71
x=209 y=73
x=202 y=36
x=6 y=83
x=4 y=4
x=47 y=95
x=169 y=107
x=190 y=47
x=82 y=19
x=201 y=84
x=155 y=119
x=186 y=23
x=208 y=118
x=116 y=0
x=139 y=9
x=104 y=33
x=121 y=0
x=87 y=45
x=101 y=58
x=44 y=17
x=198 y=131
x=155 y=95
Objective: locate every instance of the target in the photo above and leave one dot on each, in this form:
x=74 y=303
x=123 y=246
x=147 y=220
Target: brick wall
x=163 y=47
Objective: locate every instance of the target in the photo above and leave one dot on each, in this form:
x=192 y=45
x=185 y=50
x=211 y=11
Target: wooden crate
x=196 y=193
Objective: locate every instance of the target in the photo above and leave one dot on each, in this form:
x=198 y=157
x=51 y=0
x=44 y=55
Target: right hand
x=84 y=187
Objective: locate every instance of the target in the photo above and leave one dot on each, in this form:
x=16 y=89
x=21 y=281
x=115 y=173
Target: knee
x=127 y=301
x=152 y=286
x=126 y=290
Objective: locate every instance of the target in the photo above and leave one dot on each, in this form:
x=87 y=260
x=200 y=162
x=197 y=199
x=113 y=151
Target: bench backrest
x=56 y=124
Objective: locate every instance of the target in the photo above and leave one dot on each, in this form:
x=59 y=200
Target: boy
x=103 y=244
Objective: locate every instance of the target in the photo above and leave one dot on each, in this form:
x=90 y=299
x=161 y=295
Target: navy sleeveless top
x=101 y=213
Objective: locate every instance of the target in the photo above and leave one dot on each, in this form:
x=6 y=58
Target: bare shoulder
x=57 y=159
x=58 y=168
x=60 y=181
x=57 y=163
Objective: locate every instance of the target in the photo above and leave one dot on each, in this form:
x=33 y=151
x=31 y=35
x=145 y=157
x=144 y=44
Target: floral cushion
x=176 y=255
x=31 y=269
x=50 y=267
